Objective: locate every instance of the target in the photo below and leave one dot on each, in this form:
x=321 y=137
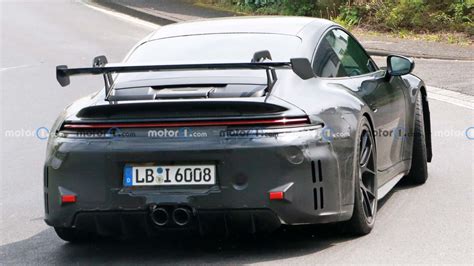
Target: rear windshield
x=215 y=48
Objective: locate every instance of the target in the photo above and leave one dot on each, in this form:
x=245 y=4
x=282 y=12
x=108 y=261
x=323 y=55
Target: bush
x=349 y=15
x=407 y=14
x=389 y=15
x=413 y=15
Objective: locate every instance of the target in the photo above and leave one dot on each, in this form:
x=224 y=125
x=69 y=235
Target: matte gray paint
x=92 y=167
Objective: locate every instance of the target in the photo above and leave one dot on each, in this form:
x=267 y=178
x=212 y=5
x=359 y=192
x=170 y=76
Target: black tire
x=419 y=165
x=365 y=185
x=72 y=235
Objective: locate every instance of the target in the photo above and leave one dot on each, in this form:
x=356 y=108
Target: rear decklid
x=189 y=85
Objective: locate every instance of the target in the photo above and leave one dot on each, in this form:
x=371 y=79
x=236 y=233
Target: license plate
x=168 y=175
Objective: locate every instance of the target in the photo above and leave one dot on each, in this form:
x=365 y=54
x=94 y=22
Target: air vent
x=317 y=176
x=321 y=197
x=183 y=93
x=320 y=171
x=318 y=201
x=46 y=178
x=46 y=203
x=313 y=171
x=315 y=196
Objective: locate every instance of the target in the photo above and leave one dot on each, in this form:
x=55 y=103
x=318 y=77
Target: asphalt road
x=432 y=223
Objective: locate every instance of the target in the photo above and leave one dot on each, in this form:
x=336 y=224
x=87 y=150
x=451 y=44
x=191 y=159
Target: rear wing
x=300 y=66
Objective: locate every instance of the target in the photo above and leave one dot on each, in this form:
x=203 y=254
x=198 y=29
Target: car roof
x=264 y=25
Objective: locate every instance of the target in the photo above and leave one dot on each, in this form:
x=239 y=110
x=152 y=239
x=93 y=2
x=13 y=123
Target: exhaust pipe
x=159 y=216
x=181 y=216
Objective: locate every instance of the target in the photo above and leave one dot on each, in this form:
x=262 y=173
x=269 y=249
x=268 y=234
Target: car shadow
x=45 y=247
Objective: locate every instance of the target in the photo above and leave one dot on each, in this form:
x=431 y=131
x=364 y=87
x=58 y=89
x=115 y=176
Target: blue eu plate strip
x=128 y=176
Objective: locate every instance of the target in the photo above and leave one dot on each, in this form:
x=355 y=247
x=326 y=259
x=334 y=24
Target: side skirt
x=384 y=189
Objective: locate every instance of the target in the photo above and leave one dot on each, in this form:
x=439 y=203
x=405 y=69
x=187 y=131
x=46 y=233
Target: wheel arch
x=427 y=123
x=371 y=123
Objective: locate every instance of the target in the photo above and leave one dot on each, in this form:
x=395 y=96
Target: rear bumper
x=203 y=222
x=301 y=163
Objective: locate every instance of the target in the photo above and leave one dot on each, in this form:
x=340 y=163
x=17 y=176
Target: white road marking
x=444 y=60
x=452 y=97
x=13 y=67
x=122 y=16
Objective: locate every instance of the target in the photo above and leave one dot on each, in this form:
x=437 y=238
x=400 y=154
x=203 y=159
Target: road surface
x=432 y=223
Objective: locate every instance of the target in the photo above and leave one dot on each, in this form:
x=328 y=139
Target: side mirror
x=399 y=65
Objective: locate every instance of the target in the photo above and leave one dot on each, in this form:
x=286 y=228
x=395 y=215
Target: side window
x=339 y=55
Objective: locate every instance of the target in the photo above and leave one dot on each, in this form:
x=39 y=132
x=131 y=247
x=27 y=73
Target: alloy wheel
x=367 y=176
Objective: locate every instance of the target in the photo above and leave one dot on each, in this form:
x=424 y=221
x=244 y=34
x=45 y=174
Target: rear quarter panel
x=340 y=109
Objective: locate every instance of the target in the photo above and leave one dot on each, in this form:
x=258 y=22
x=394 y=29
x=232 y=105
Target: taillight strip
x=267 y=122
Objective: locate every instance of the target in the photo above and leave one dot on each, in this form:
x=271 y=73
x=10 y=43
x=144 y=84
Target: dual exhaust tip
x=180 y=216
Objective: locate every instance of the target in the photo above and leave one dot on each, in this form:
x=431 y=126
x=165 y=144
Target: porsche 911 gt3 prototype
x=236 y=125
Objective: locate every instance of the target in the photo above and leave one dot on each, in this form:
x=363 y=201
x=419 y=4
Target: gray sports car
x=236 y=125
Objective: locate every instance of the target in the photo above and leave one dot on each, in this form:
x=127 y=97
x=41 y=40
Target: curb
x=376 y=52
x=162 y=20
x=134 y=12
x=452 y=97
